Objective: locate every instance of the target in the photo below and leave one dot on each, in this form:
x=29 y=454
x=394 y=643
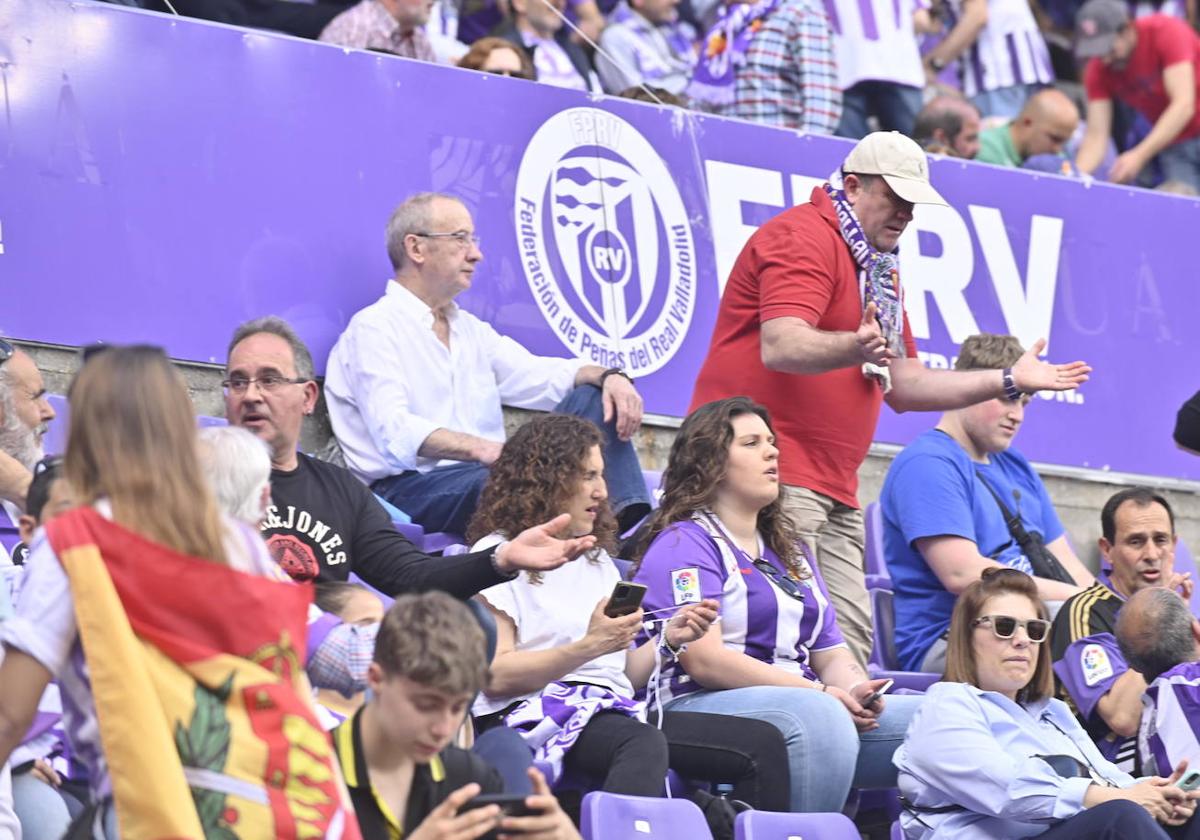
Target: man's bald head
x=1157 y=631
x=948 y=125
x=1045 y=124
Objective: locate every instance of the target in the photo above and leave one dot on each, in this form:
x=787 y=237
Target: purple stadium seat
x=875 y=564
x=883 y=664
x=611 y=816
x=771 y=825
x=204 y=421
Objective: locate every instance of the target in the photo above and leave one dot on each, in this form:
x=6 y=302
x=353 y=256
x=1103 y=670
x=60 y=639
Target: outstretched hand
x=1032 y=374
x=540 y=549
x=872 y=346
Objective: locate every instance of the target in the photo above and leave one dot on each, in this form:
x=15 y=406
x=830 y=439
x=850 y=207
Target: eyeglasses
x=512 y=74
x=267 y=383
x=789 y=585
x=50 y=462
x=6 y=351
x=463 y=238
x=1004 y=626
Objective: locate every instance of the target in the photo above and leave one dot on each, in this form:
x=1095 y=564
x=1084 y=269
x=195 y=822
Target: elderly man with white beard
x=25 y=414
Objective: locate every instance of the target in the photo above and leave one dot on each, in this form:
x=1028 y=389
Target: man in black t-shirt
x=323 y=523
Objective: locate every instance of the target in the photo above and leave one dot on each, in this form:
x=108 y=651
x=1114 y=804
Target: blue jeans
x=1004 y=102
x=1181 y=162
x=445 y=498
x=40 y=808
x=895 y=106
x=826 y=754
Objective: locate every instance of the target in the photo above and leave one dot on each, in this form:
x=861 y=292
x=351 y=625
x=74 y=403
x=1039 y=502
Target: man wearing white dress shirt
x=415 y=384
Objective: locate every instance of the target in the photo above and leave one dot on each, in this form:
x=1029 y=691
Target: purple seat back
x=611 y=816
x=772 y=825
x=883 y=663
x=875 y=563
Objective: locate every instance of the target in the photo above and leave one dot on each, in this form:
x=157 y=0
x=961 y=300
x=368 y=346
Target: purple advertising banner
x=164 y=179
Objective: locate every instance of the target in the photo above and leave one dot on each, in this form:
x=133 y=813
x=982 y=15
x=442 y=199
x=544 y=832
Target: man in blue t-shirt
x=942 y=522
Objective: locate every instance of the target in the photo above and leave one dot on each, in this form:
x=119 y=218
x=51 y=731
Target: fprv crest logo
x=605 y=241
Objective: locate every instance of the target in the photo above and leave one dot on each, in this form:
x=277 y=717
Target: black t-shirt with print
x=323 y=524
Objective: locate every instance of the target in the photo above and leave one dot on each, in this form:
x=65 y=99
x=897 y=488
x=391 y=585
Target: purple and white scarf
x=724 y=50
x=878 y=280
x=552 y=721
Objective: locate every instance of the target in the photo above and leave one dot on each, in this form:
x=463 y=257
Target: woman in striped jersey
x=777 y=654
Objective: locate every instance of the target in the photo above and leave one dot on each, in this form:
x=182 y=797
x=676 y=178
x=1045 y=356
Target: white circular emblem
x=605 y=241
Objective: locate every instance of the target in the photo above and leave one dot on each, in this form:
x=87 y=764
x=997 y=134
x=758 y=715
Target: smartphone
x=625 y=599
x=511 y=805
x=1189 y=780
x=874 y=696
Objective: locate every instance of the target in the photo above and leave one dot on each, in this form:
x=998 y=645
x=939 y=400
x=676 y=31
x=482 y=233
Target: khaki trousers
x=834 y=533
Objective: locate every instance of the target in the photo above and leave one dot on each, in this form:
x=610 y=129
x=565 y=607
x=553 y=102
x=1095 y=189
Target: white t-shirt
x=44 y=627
x=554 y=613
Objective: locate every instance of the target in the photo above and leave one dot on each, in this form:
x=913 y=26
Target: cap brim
x=914 y=190
x=1096 y=46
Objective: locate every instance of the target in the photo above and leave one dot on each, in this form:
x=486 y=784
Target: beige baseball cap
x=899 y=160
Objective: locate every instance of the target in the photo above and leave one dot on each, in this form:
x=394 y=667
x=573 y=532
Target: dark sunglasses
x=512 y=74
x=791 y=587
x=1004 y=626
x=6 y=351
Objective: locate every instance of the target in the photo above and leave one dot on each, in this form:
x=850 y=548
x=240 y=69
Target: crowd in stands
x=1105 y=88
x=202 y=638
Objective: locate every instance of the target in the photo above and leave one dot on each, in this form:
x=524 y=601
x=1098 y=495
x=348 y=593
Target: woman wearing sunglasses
x=777 y=654
x=992 y=754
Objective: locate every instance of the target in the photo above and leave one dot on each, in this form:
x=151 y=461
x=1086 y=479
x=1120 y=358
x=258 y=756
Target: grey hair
x=1156 y=635
x=415 y=215
x=274 y=325
x=16 y=439
x=238 y=467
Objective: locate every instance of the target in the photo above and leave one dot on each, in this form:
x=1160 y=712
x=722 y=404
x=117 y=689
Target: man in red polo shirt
x=812 y=326
x=1151 y=64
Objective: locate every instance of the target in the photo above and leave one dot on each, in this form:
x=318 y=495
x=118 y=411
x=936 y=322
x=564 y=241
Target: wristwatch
x=1011 y=392
x=614 y=372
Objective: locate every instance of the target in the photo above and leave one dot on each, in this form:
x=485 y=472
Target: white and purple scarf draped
x=878 y=280
x=552 y=721
x=724 y=50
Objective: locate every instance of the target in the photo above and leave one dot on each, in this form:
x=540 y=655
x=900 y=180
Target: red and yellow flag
x=197 y=676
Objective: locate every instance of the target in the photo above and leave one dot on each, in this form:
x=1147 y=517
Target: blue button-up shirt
x=977 y=750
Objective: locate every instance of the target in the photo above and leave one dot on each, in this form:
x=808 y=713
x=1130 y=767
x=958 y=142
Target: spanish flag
x=197 y=675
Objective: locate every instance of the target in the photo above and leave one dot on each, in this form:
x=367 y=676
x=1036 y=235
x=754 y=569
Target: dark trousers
x=1119 y=820
x=622 y=755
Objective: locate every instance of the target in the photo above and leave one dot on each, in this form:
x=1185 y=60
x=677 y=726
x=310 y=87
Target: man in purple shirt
x=1160 y=638
x=1138 y=548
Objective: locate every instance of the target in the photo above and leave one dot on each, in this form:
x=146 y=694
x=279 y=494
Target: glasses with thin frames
x=1004 y=626
x=461 y=237
x=267 y=383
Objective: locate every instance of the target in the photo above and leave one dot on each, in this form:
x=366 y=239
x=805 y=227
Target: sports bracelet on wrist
x=508 y=575
x=1011 y=392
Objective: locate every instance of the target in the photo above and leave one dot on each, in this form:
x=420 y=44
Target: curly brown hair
x=538 y=471
x=695 y=468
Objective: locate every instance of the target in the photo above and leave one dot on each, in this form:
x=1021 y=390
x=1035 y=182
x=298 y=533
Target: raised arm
x=917 y=388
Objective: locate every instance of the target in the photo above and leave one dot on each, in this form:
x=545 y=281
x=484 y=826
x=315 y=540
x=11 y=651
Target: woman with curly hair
x=777 y=655
x=565 y=673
